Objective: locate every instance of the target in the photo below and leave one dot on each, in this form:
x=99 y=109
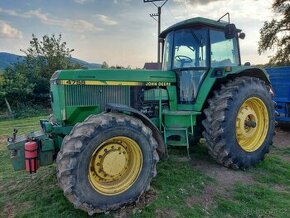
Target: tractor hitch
x=35 y=146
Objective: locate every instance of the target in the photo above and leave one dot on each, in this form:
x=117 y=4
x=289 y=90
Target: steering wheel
x=183 y=59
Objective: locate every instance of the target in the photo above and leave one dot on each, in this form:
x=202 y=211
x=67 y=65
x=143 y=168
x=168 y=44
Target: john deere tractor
x=109 y=128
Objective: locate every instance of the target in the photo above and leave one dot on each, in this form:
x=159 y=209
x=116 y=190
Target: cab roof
x=194 y=22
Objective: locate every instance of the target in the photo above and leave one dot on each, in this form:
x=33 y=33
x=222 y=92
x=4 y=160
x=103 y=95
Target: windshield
x=190 y=48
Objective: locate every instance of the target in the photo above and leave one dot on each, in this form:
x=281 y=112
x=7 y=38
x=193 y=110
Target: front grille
x=84 y=95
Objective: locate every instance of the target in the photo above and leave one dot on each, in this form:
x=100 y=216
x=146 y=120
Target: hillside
x=8 y=59
x=86 y=64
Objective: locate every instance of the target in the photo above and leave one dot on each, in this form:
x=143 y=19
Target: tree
x=28 y=81
x=15 y=87
x=105 y=65
x=275 y=34
x=43 y=58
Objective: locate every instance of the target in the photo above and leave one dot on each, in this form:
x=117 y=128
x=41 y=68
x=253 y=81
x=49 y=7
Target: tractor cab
x=194 y=46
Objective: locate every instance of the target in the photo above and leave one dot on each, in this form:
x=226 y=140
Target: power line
x=157 y=17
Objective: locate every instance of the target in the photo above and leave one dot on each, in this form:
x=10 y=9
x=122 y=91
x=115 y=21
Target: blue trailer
x=280 y=79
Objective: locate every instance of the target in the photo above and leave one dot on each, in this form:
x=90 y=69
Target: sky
x=121 y=32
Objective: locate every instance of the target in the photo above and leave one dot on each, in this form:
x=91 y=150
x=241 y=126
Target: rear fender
x=250 y=71
x=213 y=82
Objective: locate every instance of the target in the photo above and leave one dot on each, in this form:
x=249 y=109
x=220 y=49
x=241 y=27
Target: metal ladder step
x=180 y=135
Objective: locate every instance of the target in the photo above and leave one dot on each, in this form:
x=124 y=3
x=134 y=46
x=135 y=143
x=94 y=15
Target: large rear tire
x=106 y=162
x=239 y=124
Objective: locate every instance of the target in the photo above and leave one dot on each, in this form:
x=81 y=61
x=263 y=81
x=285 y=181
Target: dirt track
x=282 y=138
x=226 y=178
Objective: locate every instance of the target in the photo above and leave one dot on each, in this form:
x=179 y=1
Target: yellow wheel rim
x=115 y=165
x=252 y=124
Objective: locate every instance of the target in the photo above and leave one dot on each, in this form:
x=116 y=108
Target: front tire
x=239 y=124
x=106 y=162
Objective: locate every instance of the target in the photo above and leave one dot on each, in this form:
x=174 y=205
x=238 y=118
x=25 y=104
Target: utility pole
x=158 y=15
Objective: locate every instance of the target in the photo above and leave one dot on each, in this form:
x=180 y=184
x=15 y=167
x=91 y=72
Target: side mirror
x=242 y=35
x=230 y=31
x=247 y=64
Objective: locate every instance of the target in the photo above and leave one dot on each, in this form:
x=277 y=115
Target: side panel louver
x=82 y=95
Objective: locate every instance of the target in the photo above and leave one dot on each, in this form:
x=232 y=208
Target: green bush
x=29 y=111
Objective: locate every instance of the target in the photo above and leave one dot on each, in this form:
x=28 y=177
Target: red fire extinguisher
x=31 y=156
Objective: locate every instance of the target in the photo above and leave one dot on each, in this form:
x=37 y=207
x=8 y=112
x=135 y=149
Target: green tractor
x=109 y=128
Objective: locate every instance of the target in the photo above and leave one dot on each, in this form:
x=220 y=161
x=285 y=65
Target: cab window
x=224 y=52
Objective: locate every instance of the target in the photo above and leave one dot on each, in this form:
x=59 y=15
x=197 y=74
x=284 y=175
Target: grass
x=255 y=200
x=267 y=196
x=173 y=190
x=179 y=190
x=22 y=125
x=273 y=171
